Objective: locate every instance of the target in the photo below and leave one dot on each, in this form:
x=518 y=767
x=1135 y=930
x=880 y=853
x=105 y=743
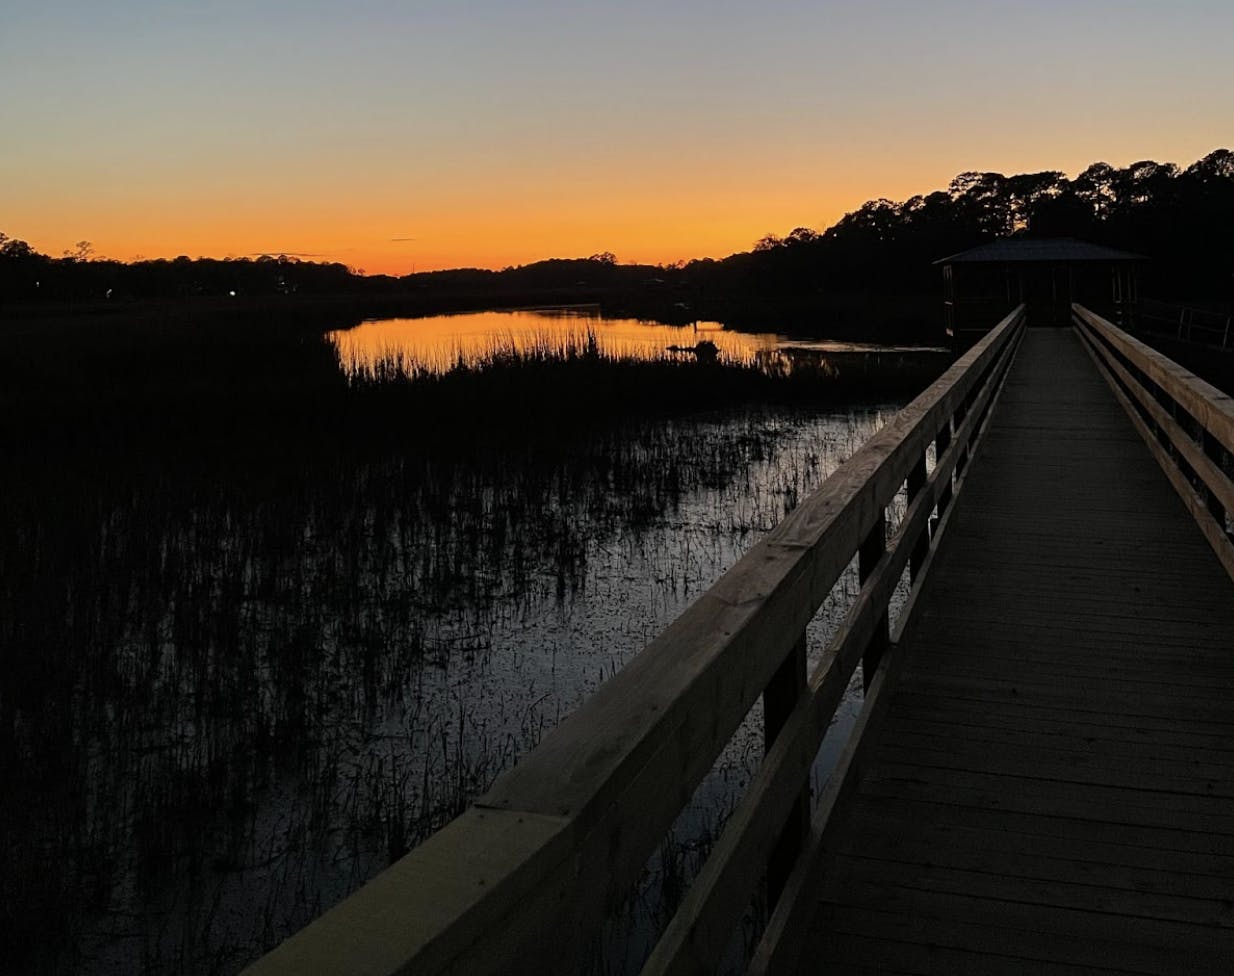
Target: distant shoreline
x=876 y=319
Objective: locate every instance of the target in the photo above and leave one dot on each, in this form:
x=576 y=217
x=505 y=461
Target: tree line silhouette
x=26 y=274
x=1180 y=218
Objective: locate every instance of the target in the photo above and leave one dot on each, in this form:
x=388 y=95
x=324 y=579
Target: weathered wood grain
x=479 y=868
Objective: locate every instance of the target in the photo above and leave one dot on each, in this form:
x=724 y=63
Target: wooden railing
x=1187 y=423
x=523 y=880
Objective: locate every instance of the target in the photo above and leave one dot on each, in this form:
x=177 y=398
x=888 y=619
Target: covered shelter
x=982 y=284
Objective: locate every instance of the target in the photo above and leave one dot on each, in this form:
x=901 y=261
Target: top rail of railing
x=522 y=881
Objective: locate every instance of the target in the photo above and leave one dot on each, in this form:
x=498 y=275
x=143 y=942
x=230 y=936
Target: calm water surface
x=278 y=692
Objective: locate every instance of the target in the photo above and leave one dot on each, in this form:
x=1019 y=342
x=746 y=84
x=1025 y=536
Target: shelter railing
x=1187 y=423
x=523 y=880
x=1198 y=325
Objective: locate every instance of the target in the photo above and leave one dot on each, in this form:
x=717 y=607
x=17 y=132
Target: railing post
x=921 y=545
x=942 y=441
x=1215 y=451
x=872 y=550
x=960 y=414
x=779 y=699
x=1159 y=429
x=1225 y=339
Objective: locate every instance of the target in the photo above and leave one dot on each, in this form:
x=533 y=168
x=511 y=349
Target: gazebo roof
x=1053 y=250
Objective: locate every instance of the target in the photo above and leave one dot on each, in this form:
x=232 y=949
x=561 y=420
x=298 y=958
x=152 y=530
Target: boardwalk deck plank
x=1053 y=790
x=957 y=703
x=988 y=853
x=1002 y=877
x=1044 y=681
x=1051 y=828
x=970 y=936
x=1111 y=756
x=1073 y=766
x=1087 y=739
x=1174 y=666
x=1170 y=869
x=1039 y=929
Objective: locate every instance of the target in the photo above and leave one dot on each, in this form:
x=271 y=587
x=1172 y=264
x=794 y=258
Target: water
x=436 y=343
x=251 y=697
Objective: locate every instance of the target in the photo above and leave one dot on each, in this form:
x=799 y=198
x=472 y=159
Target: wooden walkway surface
x=1053 y=787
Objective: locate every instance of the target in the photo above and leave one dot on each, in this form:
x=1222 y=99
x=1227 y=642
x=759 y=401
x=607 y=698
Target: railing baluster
x=872 y=550
x=1163 y=435
x=779 y=699
x=942 y=441
x=921 y=545
x=960 y=414
x=1212 y=447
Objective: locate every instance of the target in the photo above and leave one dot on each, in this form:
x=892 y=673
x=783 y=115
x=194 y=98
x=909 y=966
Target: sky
x=419 y=135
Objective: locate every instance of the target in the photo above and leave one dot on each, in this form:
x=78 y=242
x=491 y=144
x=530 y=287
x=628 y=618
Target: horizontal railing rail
x=523 y=880
x=783 y=938
x=1187 y=423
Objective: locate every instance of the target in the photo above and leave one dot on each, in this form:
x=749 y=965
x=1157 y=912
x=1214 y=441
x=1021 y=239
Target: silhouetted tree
x=1095 y=186
x=1027 y=192
x=1065 y=215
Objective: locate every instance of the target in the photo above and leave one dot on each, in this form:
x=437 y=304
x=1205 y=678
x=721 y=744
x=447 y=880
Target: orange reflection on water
x=437 y=343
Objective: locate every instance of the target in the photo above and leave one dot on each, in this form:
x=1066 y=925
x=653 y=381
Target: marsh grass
x=248 y=664
x=141 y=394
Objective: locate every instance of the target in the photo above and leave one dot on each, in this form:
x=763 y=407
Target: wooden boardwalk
x=1052 y=790
x=1041 y=777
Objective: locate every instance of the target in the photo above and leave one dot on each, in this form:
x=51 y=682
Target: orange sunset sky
x=424 y=135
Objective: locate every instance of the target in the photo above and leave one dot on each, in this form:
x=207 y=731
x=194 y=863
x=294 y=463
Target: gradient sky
x=393 y=136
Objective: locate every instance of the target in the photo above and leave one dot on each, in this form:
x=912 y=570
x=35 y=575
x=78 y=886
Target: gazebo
x=982 y=284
